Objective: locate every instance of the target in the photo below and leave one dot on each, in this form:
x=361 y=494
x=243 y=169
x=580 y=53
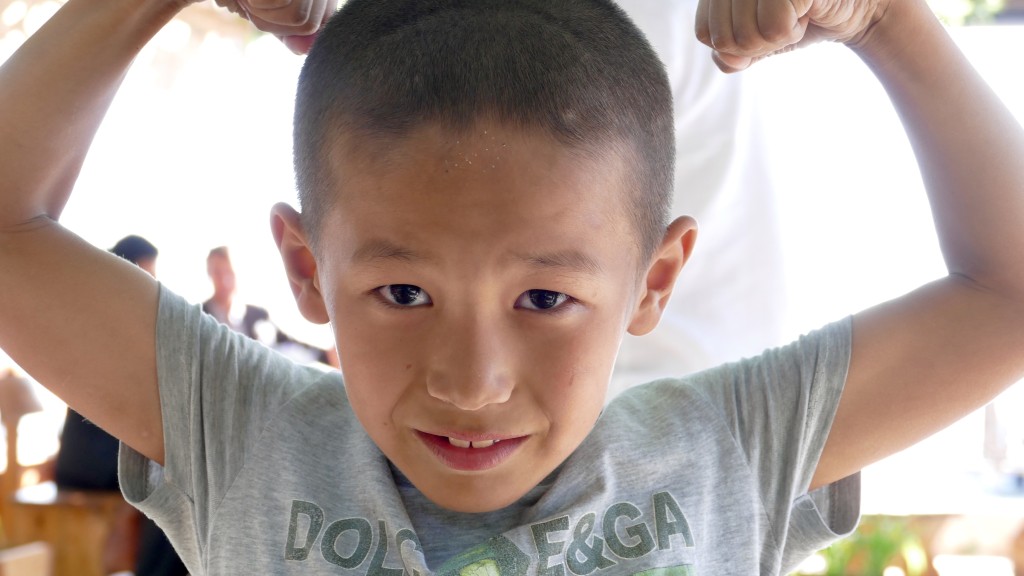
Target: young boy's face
x=479 y=286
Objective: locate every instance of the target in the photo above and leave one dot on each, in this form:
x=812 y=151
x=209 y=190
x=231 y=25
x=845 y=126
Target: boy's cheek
x=383 y=363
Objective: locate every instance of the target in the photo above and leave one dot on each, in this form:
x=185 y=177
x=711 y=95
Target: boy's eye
x=405 y=295
x=541 y=300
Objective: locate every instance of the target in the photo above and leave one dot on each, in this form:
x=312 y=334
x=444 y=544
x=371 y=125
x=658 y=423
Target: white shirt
x=728 y=302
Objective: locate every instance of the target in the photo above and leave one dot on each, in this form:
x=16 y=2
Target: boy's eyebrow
x=378 y=249
x=571 y=259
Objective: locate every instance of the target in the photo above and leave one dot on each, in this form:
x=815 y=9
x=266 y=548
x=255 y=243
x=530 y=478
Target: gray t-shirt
x=268 y=472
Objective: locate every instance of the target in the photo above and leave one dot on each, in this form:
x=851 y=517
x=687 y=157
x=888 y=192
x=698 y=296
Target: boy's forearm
x=56 y=90
x=968 y=145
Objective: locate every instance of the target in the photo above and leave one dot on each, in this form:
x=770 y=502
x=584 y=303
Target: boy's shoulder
x=811 y=371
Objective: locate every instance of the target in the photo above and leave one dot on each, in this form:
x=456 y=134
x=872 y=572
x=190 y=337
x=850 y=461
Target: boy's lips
x=471 y=452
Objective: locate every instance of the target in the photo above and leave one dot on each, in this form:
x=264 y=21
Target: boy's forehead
x=485 y=182
x=431 y=140
x=489 y=158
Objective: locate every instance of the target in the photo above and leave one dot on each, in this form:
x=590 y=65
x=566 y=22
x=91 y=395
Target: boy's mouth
x=471 y=454
x=471 y=444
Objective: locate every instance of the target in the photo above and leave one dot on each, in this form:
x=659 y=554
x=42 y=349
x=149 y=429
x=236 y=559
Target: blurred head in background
x=138 y=251
x=221 y=273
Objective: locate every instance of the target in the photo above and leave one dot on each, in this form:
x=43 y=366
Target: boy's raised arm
x=930 y=357
x=81 y=321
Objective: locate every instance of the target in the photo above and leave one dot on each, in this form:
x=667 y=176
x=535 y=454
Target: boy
x=483 y=187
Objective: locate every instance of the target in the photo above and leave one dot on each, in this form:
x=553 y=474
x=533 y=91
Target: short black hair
x=134 y=249
x=578 y=69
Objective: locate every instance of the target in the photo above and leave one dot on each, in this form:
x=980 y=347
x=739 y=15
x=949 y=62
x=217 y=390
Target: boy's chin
x=477 y=493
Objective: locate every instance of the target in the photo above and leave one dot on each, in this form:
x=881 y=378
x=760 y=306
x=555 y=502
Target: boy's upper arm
x=82 y=322
x=918 y=364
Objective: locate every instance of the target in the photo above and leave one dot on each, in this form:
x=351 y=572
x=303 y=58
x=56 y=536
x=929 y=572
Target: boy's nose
x=470 y=369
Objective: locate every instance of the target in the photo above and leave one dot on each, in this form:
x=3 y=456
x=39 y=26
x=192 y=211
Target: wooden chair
x=74 y=523
x=35 y=559
x=17 y=398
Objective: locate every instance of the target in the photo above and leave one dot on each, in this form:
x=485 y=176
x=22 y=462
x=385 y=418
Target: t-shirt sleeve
x=779 y=408
x=218 y=391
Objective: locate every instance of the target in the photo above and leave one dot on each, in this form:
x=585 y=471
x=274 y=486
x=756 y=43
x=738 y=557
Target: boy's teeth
x=466 y=444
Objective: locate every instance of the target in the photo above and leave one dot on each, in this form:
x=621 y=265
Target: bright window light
x=14 y=13
x=816 y=564
x=38 y=15
x=950 y=565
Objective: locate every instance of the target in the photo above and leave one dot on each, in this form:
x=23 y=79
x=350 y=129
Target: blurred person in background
x=253 y=321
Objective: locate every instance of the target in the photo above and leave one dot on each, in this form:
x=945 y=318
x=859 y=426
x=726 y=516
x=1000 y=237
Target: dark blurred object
x=87 y=459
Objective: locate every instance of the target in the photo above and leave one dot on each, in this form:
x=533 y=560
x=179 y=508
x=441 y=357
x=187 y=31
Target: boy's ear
x=661 y=275
x=299 y=264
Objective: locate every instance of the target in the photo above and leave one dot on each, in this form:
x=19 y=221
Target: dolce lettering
x=346 y=543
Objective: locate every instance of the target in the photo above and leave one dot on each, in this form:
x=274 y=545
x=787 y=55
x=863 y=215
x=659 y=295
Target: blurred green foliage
x=959 y=12
x=879 y=542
